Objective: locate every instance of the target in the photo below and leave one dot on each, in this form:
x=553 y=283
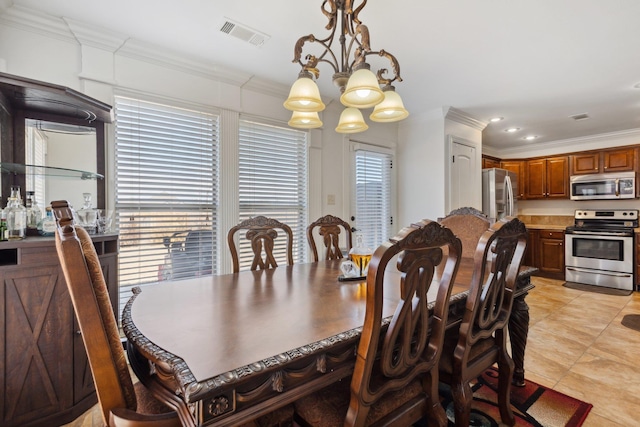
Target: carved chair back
x=481 y=339
x=89 y=295
x=262 y=233
x=329 y=228
x=468 y=224
x=411 y=346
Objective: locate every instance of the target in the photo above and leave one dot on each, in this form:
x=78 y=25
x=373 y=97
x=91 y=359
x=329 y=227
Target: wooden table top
x=217 y=324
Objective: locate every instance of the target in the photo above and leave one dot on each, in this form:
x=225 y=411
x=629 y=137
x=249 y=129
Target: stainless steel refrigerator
x=499 y=187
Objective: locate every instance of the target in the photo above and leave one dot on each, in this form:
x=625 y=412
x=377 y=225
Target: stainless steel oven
x=599 y=248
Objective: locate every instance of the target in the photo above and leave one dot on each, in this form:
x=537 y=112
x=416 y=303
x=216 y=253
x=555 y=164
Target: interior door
x=465 y=182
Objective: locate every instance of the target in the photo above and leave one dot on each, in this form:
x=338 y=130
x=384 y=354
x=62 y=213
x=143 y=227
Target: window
x=273 y=183
x=166 y=192
x=373 y=195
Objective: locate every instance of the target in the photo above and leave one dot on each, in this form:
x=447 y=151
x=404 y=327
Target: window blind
x=166 y=192
x=373 y=196
x=273 y=183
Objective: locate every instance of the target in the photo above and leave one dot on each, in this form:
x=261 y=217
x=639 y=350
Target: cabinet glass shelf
x=17 y=168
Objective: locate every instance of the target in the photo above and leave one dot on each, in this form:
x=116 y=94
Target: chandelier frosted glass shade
x=391 y=109
x=305 y=120
x=351 y=121
x=304 y=96
x=363 y=90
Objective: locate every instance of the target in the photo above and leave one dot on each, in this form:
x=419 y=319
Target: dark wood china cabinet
x=44 y=374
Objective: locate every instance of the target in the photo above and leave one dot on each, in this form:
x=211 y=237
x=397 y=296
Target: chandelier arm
x=331 y=14
x=311 y=59
x=394 y=64
x=354 y=14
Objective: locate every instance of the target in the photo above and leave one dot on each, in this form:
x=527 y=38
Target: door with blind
x=166 y=192
x=372 y=201
x=273 y=182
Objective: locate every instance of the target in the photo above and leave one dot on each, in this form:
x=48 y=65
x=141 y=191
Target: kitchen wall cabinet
x=490 y=162
x=618 y=160
x=45 y=375
x=545 y=250
x=547 y=178
x=517 y=166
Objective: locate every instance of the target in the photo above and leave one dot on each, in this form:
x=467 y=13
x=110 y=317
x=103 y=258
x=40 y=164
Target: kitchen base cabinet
x=44 y=372
x=545 y=250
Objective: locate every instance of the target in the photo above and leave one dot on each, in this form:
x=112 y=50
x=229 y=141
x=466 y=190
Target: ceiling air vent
x=577 y=117
x=243 y=32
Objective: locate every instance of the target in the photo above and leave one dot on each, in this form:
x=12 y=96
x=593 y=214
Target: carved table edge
x=193 y=390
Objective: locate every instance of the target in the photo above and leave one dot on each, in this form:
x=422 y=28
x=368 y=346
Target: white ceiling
x=535 y=63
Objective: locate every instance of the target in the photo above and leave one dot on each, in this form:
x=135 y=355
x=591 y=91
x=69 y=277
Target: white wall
x=423 y=162
x=101 y=64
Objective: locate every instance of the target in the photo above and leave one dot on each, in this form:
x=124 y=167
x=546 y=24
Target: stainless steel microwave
x=603 y=186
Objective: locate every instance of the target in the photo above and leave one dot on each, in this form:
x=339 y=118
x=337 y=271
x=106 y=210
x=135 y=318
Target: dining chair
x=395 y=379
x=122 y=402
x=480 y=341
x=468 y=224
x=262 y=233
x=329 y=228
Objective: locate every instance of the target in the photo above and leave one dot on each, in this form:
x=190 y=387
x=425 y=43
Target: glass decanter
x=360 y=254
x=16 y=215
x=88 y=215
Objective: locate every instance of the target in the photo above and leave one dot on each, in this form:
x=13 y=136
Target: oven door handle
x=606 y=273
x=599 y=233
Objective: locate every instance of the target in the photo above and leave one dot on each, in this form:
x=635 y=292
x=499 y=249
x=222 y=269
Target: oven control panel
x=622 y=214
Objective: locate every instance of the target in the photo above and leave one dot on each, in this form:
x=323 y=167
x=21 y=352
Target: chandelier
x=359 y=86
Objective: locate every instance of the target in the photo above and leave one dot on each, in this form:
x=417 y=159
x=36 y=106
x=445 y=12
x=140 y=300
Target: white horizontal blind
x=273 y=183
x=373 y=196
x=166 y=190
x=36 y=152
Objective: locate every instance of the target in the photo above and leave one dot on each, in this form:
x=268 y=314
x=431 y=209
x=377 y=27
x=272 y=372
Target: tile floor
x=576 y=345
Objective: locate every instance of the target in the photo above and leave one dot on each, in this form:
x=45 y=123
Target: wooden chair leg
x=462 y=398
x=435 y=412
x=505 y=375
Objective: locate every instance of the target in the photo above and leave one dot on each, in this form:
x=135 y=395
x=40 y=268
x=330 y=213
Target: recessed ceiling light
x=511 y=130
x=530 y=137
x=496 y=119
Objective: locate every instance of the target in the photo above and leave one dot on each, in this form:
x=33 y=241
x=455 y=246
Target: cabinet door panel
x=517 y=167
x=551 y=253
x=585 y=163
x=619 y=160
x=536 y=179
x=558 y=177
x=37 y=344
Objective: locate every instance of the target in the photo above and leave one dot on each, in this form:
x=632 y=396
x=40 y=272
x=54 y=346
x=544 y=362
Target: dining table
x=226 y=349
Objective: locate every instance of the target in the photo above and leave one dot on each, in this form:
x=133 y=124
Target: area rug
x=533 y=405
x=597 y=289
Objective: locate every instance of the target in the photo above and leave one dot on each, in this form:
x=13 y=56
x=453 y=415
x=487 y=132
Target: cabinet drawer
x=39 y=255
x=552 y=234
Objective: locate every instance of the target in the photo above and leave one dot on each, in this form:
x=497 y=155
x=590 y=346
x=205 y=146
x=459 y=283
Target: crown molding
x=565 y=145
x=153 y=54
x=91 y=35
x=267 y=87
x=73 y=31
x=461 y=117
x=37 y=22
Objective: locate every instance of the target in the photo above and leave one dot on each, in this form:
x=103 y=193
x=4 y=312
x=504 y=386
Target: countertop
x=547 y=222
